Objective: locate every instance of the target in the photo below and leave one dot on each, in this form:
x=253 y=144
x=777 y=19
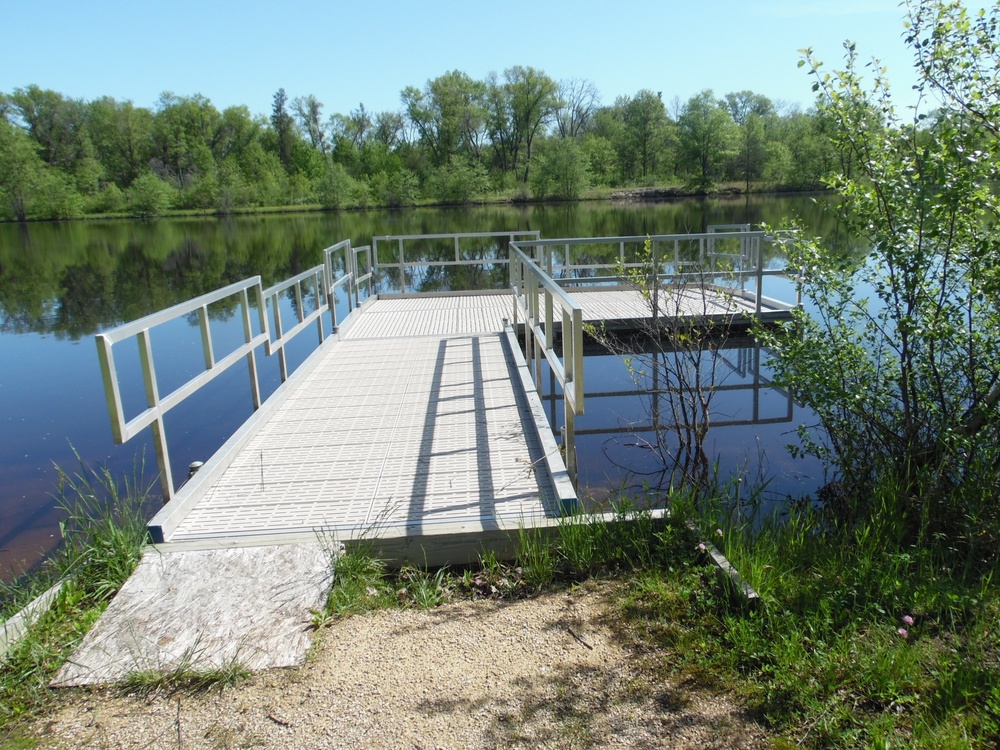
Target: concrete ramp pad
x=205 y=609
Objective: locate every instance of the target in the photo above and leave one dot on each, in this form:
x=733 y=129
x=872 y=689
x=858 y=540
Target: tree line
x=455 y=140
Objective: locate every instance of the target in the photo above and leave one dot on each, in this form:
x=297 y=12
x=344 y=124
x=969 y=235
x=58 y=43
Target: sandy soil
x=544 y=672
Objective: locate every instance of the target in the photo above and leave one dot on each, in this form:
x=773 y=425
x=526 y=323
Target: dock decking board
x=417 y=430
x=412 y=419
x=629 y=304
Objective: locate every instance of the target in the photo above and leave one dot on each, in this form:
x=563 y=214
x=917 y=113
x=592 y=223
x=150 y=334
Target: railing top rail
x=126 y=330
x=452 y=235
x=643 y=238
x=547 y=282
x=336 y=247
x=288 y=283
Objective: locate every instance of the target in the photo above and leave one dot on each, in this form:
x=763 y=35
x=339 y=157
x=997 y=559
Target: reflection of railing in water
x=747 y=364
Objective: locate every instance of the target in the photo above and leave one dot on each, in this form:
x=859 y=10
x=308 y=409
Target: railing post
x=112 y=391
x=279 y=332
x=153 y=401
x=328 y=288
x=549 y=323
x=569 y=441
x=760 y=285
x=531 y=293
x=402 y=269
x=251 y=355
x=317 y=300
x=514 y=267
x=350 y=268
x=206 y=337
x=577 y=358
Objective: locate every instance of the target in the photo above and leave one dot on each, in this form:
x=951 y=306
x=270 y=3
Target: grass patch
x=362 y=583
x=103 y=535
x=184 y=678
x=856 y=641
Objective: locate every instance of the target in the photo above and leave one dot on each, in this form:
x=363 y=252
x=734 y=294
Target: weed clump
x=103 y=535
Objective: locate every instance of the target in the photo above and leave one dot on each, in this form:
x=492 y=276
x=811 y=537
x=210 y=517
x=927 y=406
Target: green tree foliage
x=448 y=115
x=602 y=163
x=20 y=170
x=56 y=124
x=337 y=188
x=389 y=128
x=460 y=181
x=902 y=361
x=456 y=138
x=284 y=127
x=111 y=199
x=607 y=146
x=122 y=137
x=517 y=108
x=646 y=132
x=56 y=197
x=753 y=115
x=394 y=189
x=561 y=171
x=309 y=110
x=802 y=148
x=184 y=130
x=707 y=138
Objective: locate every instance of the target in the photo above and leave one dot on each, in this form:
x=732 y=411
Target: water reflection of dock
x=739 y=374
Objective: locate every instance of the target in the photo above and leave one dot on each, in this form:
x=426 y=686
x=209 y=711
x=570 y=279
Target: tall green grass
x=104 y=531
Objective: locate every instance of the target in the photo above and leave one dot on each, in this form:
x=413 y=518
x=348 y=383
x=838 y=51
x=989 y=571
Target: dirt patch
x=544 y=672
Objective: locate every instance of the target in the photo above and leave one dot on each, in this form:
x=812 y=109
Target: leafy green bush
x=900 y=360
x=150 y=196
x=560 y=170
x=459 y=181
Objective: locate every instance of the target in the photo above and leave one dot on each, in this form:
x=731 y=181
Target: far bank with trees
x=517 y=135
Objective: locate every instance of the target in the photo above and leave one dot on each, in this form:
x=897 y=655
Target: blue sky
x=369 y=50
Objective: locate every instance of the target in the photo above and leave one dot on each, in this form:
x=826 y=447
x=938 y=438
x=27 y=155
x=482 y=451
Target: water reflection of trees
x=71 y=279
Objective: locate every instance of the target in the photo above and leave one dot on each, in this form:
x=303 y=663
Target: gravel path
x=544 y=672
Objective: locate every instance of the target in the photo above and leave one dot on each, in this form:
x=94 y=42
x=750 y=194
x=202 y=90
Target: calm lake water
x=60 y=283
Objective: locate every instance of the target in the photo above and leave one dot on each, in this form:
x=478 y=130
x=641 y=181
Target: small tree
x=902 y=360
x=459 y=181
x=675 y=363
x=21 y=170
x=336 y=188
